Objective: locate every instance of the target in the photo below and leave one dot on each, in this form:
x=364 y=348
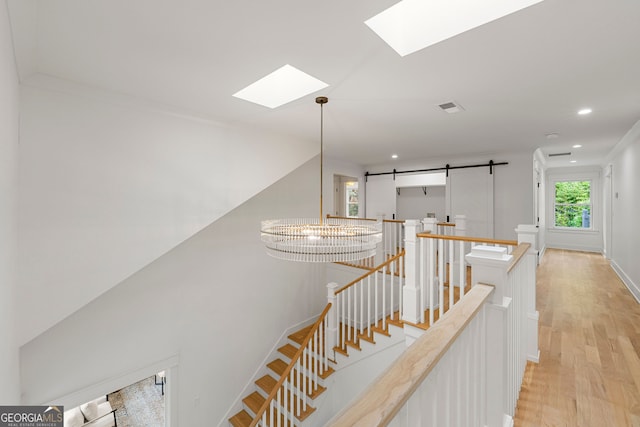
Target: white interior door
x=470 y=193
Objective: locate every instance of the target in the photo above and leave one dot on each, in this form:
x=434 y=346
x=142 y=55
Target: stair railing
x=290 y=396
x=366 y=302
x=442 y=261
x=391 y=245
x=468 y=368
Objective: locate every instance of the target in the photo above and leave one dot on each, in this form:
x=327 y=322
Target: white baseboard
x=507 y=421
x=534 y=359
x=541 y=253
x=633 y=287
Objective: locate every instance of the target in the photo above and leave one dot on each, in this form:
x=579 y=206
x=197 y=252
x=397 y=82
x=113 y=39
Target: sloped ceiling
x=518 y=78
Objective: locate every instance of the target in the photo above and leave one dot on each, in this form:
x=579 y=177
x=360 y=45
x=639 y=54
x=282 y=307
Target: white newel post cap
x=490 y=252
x=430 y=225
x=528 y=233
x=489 y=265
x=412 y=227
x=331 y=289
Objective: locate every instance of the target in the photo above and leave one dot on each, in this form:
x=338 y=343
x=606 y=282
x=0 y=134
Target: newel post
x=459 y=271
x=461 y=225
x=381 y=249
x=411 y=288
x=430 y=225
x=489 y=264
x=528 y=233
x=332 y=321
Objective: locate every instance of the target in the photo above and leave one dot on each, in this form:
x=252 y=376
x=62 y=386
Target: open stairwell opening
x=368 y=324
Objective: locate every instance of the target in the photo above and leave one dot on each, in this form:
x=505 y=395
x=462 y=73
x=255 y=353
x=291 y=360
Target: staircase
x=276 y=368
x=349 y=353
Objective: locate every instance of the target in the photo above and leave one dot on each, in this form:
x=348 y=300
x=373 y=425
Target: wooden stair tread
x=365 y=337
x=266 y=383
x=353 y=345
x=299 y=336
x=288 y=350
x=381 y=331
x=241 y=419
x=341 y=351
x=278 y=366
x=254 y=401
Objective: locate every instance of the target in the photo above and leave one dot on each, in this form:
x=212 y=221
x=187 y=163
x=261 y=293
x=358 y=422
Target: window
x=573 y=205
x=352 y=198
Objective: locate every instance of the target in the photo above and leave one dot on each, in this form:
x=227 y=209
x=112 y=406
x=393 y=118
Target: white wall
x=217 y=301
x=9 y=123
x=625 y=233
x=108 y=184
x=581 y=240
x=513 y=188
x=412 y=203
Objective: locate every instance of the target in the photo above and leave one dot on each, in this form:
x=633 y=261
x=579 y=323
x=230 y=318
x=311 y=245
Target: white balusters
x=367 y=301
x=431 y=278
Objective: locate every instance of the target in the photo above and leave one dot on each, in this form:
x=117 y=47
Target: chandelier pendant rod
x=321 y=100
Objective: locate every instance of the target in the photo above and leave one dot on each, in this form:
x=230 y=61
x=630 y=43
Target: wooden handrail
x=381 y=401
x=374 y=270
x=446 y=224
x=518 y=253
x=400 y=221
x=469 y=239
x=286 y=372
x=350 y=218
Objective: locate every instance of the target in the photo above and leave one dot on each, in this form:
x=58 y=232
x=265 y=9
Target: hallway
x=589 y=332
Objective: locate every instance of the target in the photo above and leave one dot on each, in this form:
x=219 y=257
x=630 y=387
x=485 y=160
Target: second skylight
x=411 y=25
x=284 y=85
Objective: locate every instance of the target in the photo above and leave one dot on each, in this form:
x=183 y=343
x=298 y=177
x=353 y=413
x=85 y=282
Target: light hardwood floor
x=589 y=332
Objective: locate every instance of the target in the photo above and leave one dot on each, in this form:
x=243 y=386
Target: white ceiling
x=518 y=78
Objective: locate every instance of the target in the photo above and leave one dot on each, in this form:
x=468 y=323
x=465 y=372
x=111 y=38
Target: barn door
x=470 y=193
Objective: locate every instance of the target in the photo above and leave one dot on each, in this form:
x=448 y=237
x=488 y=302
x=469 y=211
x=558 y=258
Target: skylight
x=411 y=25
x=284 y=85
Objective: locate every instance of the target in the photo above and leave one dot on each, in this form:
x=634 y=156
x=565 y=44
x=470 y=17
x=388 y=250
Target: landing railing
x=289 y=398
x=367 y=303
x=467 y=369
x=442 y=270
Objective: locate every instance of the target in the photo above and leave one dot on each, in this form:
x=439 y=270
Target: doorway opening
x=346 y=200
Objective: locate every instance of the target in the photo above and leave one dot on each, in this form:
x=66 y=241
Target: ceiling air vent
x=559 y=154
x=451 y=107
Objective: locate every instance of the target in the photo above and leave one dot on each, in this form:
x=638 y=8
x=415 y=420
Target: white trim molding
x=633 y=287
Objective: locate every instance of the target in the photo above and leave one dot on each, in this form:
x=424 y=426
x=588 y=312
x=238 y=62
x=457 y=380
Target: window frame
x=347 y=186
x=590 y=204
x=584 y=173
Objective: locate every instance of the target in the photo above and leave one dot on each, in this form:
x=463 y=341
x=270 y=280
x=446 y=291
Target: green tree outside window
x=573 y=204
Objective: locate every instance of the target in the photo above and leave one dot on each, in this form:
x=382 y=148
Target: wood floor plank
x=589 y=338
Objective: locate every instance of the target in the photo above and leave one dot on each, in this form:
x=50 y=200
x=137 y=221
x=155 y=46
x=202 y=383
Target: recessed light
x=577 y=146
x=284 y=85
x=412 y=25
x=394 y=156
x=552 y=135
x=585 y=111
x=572 y=161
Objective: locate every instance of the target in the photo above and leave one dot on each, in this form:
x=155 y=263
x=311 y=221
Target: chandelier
x=321 y=239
